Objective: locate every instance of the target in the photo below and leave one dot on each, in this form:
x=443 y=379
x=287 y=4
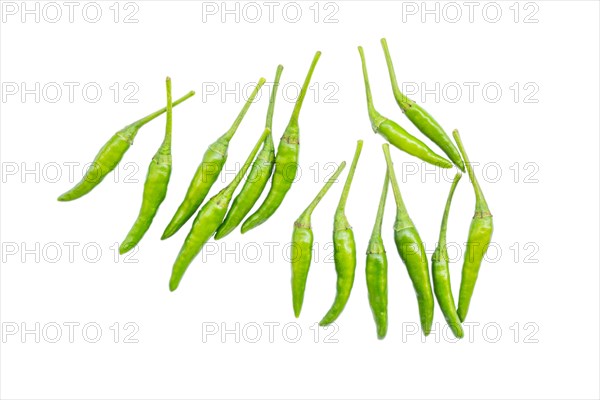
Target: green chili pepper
x=421 y=118
x=344 y=249
x=286 y=161
x=155 y=187
x=376 y=269
x=208 y=220
x=411 y=250
x=302 y=242
x=111 y=154
x=480 y=235
x=394 y=133
x=441 y=272
x=259 y=174
x=207 y=172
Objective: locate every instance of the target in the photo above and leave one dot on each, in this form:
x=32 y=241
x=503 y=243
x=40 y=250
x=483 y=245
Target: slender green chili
x=208 y=220
x=208 y=171
x=441 y=271
x=286 y=161
x=480 y=235
x=411 y=250
x=344 y=249
x=111 y=154
x=302 y=242
x=376 y=268
x=394 y=133
x=155 y=186
x=421 y=118
x=259 y=174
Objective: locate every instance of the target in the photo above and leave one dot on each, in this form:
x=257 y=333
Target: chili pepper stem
x=271 y=109
x=401 y=97
x=229 y=134
x=374 y=116
x=381 y=207
x=313 y=204
x=141 y=122
x=395 y=188
x=444 y=226
x=480 y=203
x=298 y=106
x=166 y=146
x=344 y=198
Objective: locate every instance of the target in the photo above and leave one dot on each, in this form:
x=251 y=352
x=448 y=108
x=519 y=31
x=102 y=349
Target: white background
x=545 y=207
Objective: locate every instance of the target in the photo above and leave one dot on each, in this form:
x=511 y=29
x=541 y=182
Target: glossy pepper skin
x=480 y=235
x=259 y=173
x=302 y=243
x=394 y=133
x=421 y=118
x=441 y=271
x=286 y=161
x=111 y=154
x=207 y=172
x=344 y=249
x=208 y=220
x=155 y=186
x=412 y=252
x=376 y=269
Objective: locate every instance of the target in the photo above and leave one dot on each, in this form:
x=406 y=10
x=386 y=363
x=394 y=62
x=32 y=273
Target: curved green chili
x=480 y=235
x=111 y=154
x=207 y=172
x=155 y=186
x=411 y=250
x=376 y=268
x=441 y=271
x=208 y=220
x=286 y=161
x=421 y=118
x=259 y=174
x=302 y=242
x=344 y=249
x=394 y=133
